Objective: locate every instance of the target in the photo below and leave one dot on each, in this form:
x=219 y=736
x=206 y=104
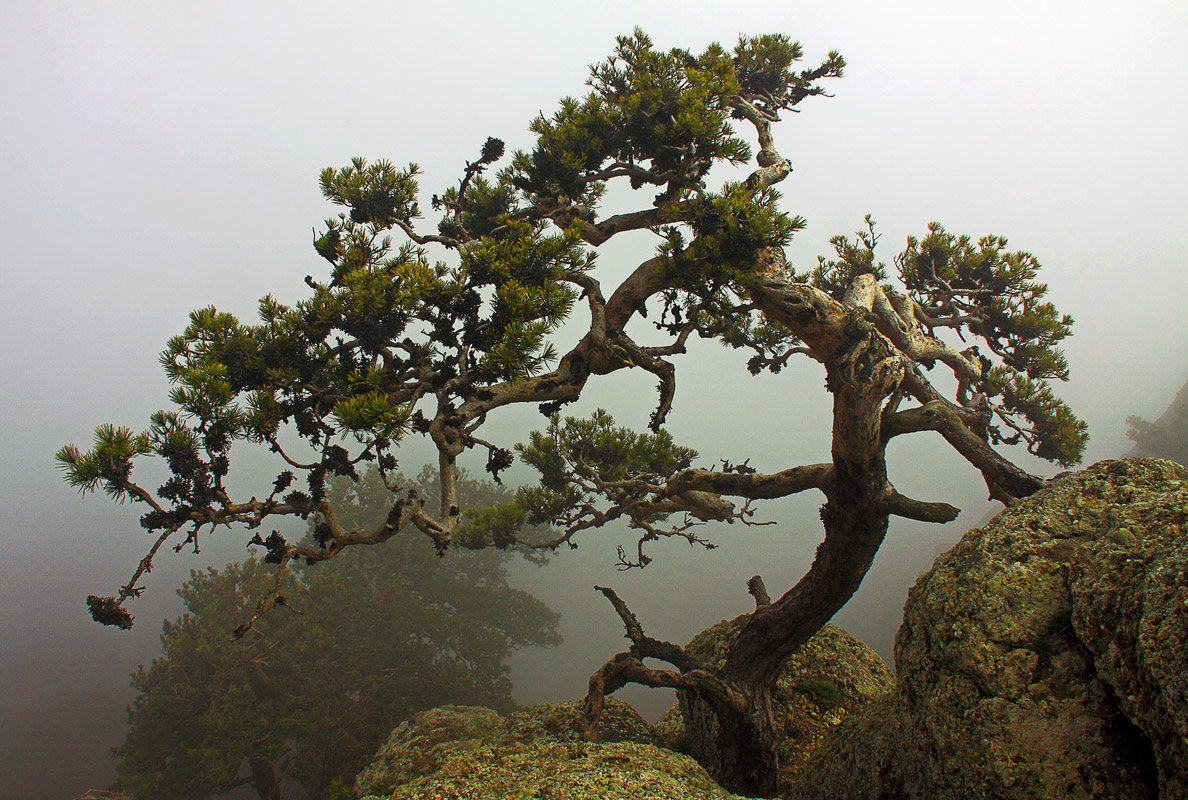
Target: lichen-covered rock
x=563 y=722
x=1043 y=656
x=468 y=752
x=570 y=770
x=669 y=730
x=422 y=744
x=833 y=676
x=856 y=760
x=1130 y=609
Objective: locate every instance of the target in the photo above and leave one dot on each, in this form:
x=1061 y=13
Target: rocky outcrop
x=458 y=752
x=1046 y=655
x=669 y=730
x=468 y=752
x=424 y=743
x=833 y=676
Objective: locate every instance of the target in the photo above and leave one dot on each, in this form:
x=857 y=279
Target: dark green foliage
x=997 y=287
x=377 y=195
x=597 y=444
x=763 y=68
x=987 y=291
x=481 y=209
x=591 y=472
x=729 y=231
x=993 y=293
x=201 y=705
x=108 y=463
x=854 y=258
x=650 y=116
x=1055 y=432
x=382 y=632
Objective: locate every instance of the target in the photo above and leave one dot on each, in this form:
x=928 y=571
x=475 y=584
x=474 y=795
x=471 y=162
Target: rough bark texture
x=832 y=676
x=862 y=371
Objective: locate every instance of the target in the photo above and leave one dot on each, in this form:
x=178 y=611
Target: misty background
x=158 y=157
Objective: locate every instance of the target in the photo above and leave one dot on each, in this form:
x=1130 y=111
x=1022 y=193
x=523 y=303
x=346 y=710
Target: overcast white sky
x=156 y=157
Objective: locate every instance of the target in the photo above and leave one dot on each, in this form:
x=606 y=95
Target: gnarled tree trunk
x=727 y=712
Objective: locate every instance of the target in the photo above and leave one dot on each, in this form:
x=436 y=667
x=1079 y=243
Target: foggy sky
x=157 y=158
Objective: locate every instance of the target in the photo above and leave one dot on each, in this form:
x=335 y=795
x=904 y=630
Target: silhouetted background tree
x=1166 y=437
x=395 y=343
x=309 y=693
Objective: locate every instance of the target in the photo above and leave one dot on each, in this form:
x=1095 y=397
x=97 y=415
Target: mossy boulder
x=1045 y=655
x=563 y=722
x=552 y=770
x=669 y=730
x=458 y=752
x=421 y=745
x=833 y=676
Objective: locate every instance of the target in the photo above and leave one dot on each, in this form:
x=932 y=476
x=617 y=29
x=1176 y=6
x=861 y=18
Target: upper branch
x=773 y=167
x=753 y=485
x=598 y=233
x=1004 y=480
x=895 y=316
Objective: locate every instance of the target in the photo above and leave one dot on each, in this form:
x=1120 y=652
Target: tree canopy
x=419 y=332
x=309 y=693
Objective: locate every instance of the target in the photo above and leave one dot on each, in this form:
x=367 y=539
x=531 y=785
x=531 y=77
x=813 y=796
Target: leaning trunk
x=737 y=747
x=727 y=711
x=743 y=756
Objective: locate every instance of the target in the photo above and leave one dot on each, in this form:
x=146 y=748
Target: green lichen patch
x=619 y=722
x=566 y=771
x=440 y=751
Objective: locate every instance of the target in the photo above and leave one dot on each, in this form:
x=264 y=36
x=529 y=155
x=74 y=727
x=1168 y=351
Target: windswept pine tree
x=418 y=330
